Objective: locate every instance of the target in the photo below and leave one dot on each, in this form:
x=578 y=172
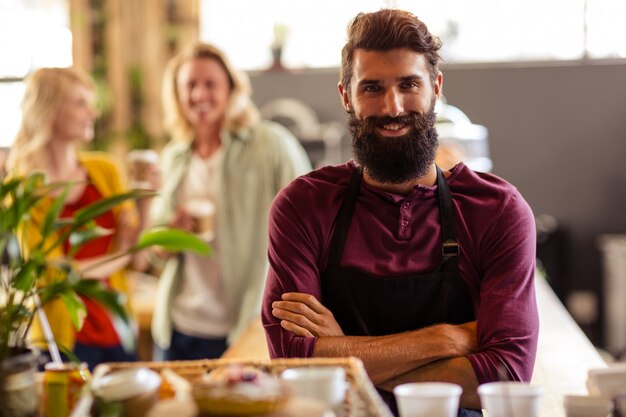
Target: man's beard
x=399 y=159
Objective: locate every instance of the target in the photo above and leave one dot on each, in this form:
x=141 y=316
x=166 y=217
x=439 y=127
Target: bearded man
x=424 y=274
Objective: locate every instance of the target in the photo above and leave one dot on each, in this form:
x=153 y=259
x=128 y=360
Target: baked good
x=239 y=390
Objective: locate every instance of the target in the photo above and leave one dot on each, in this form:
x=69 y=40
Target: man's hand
x=303 y=315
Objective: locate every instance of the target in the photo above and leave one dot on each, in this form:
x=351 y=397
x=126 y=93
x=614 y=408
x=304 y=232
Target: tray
x=362 y=399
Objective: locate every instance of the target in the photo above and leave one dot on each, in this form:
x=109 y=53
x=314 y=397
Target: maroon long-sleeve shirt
x=398 y=234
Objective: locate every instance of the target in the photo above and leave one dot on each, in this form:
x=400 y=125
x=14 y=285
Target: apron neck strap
x=450 y=247
x=344 y=217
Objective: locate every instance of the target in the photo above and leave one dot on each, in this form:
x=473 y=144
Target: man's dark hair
x=384 y=30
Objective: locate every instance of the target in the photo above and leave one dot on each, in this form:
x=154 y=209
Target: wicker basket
x=362 y=400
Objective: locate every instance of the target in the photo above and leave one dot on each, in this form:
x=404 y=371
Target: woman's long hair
x=241 y=113
x=46 y=89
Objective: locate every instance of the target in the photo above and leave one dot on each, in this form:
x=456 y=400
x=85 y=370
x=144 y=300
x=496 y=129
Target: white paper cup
x=607 y=382
x=323 y=383
x=428 y=399
x=139 y=163
x=510 y=399
x=587 y=406
x=203 y=212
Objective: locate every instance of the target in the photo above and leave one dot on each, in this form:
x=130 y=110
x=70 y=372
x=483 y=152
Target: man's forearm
x=389 y=357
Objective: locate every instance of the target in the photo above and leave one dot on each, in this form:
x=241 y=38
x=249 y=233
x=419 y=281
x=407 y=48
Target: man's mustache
x=416 y=120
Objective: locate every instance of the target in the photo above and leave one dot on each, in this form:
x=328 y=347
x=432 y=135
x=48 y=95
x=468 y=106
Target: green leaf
x=75 y=307
x=9 y=187
x=82 y=236
x=174 y=240
x=101 y=206
x=53 y=213
x=25 y=278
x=110 y=299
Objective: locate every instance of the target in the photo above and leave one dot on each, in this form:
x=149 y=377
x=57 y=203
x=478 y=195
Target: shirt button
x=405 y=223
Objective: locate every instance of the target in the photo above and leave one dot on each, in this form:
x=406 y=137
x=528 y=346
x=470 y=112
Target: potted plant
x=22 y=292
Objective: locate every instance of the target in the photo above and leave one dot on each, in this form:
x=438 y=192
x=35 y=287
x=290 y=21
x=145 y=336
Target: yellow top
x=106 y=176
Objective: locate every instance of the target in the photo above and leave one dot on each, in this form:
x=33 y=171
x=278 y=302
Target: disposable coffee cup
x=203 y=213
x=326 y=384
x=428 y=399
x=587 y=406
x=140 y=162
x=510 y=399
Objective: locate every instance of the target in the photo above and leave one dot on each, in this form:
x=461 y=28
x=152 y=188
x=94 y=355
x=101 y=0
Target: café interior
x=534 y=92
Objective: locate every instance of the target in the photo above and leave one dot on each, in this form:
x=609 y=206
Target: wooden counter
x=564 y=353
x=251 y=344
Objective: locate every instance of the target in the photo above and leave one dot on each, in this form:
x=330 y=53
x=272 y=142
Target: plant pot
x=19 y=396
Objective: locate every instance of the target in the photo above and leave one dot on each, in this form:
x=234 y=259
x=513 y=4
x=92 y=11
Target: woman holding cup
x=225 y=163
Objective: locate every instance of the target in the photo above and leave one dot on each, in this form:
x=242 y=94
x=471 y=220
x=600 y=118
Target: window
x=472 y=30
x=33 y=34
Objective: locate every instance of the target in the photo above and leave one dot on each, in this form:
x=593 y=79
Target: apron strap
x=450 y=247
x=343 y=219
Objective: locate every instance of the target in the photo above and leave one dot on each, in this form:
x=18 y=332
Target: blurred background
x=535 y=93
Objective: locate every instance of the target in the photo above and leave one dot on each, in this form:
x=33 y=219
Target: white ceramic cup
x=203 y=212
x=140 y=161
x=323 y=383
x=510 y=399
x=428 y=399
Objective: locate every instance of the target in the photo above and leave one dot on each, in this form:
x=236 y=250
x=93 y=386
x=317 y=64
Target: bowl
x=136 y=389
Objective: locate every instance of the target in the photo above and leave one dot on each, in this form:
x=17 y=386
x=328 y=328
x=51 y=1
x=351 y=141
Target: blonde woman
x=222 y=152
x=58 y=117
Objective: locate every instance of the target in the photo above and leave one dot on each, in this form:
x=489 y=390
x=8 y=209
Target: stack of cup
x=428 y=399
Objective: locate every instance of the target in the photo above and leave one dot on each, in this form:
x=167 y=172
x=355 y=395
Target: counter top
x=564 y=353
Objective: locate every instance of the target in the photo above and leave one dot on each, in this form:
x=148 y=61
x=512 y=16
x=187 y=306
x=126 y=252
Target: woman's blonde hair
x=241 y=112
x=46 y=89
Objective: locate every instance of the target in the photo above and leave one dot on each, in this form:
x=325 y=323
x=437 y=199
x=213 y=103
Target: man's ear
x=345 y=97
x=438 y=85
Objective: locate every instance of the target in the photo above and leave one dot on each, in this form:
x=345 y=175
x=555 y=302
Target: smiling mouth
x=393 y=126
x=393 y=129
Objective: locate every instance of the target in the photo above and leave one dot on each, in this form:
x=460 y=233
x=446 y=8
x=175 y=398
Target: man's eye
x=371 y=88
x=410 y=84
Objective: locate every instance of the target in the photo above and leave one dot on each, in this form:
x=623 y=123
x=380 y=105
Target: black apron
x=369 y=305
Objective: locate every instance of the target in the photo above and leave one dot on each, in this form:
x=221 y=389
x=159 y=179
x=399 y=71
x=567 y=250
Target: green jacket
x=256 y=164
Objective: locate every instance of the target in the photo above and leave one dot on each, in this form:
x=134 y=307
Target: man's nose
x=393 y=105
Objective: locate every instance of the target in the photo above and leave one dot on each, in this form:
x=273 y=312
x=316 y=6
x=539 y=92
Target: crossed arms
x=434 y=353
